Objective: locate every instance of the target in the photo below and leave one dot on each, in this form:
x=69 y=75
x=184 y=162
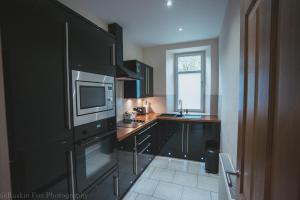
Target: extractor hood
x=123 y=73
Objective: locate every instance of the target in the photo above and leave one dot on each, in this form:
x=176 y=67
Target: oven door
x=94 y=157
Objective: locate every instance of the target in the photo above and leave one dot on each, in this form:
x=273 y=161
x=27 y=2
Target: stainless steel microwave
x=93 y=97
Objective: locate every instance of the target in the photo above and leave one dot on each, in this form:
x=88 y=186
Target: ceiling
x=150 y=22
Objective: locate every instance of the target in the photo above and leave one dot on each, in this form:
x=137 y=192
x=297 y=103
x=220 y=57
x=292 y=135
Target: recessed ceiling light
x=169 y=3
x=180 y=29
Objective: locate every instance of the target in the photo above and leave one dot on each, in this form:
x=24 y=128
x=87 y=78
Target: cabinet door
x=172 y=139
x=150 y=82
x=126 y=164
x=107 y=188
x=197 y=136
x=195 y=141
x=141 y=84
x=91 y=49
x=33 y=35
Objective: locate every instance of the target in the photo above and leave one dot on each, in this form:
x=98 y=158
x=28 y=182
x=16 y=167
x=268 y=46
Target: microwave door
x=91 y=97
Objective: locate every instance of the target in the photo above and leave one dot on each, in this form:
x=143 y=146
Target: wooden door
x=256 y=98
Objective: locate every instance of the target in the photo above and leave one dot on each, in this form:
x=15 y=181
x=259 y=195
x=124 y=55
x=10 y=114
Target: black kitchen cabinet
x=135 y=154
x=145 y=147
x=139 y=88
x=170 y=139
x=196 y=137
x=91 y=48
x=33 y=44
x=126 y=164
x=186 y=140
x=105 y=188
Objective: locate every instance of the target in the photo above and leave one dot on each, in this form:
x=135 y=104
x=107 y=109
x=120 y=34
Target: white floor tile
x=194 y=168
x=130 y=196
x=168 y=191
x=145 y=197
x=208 y=183
x=148 y=172
x=178 y=165
x=160 y=162
x=195 y=194
x=145 y=186
x=214 y=196
x=163 y=174
x=185 y=179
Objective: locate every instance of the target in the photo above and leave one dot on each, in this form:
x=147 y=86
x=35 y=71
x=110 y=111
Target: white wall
x=159 y=57
x=229 y=51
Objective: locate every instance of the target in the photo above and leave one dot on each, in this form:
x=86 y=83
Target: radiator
x=227 y=185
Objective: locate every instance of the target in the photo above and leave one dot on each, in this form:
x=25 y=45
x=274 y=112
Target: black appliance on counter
x=140 y=110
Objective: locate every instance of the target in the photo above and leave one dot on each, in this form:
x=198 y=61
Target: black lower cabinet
x=135 y=154
x=126 y=165
x=197 y=135
x=39 y=171
x=186 y=140
x=106 y=188
x=170 y=139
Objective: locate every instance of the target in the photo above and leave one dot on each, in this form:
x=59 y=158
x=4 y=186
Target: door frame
x=271 y=52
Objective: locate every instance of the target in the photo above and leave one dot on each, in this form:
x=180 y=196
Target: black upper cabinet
x=139 y=88
x=91 y=48
x=33 y=44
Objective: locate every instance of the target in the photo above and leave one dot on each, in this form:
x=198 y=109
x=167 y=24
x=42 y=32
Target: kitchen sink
x=169 y=115
x=191 y=116
x=187 y=116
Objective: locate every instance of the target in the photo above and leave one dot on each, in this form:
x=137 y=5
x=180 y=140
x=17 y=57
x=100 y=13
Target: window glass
x=189 y=63
x=190 y=78
x=189 y=90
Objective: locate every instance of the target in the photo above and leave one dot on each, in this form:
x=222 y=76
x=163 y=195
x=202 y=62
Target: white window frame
x=202 y=71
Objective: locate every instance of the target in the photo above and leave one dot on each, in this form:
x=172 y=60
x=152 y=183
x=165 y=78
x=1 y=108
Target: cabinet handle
x=144 y=140
x=141 y=152
x=135 y=164
x=116 y=186
x=72 y=175
x=114 y=55
x=148 y=76
x=148 y=128
x=182 y=138
x=187 y=137
x=67 y=68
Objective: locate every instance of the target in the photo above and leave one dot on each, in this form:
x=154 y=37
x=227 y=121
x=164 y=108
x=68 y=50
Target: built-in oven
x=93 y=97
x=94 y=157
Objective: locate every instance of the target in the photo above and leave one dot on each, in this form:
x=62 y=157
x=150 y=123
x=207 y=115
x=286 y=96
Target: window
x=190 y=80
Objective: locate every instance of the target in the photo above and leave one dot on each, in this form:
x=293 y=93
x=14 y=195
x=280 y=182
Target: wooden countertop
x=123 y=133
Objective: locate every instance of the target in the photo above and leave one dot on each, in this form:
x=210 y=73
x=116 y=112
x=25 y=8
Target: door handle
x=67 y=68
x=228 y=175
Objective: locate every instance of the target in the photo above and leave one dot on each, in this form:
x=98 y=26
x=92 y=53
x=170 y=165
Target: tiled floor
x=174 y=179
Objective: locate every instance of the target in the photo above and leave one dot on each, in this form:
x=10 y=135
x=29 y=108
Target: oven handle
x=67 y=66
x=95 y=139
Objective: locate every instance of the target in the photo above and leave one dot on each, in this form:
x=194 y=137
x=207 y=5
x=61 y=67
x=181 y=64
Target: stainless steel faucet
x=180 y=102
